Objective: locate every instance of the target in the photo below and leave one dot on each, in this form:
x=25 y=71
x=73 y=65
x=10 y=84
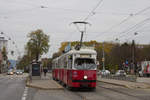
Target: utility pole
x=133 y=55
x=103 y=59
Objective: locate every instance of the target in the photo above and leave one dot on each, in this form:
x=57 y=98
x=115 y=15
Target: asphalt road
x=12 y=87
x=103 y=92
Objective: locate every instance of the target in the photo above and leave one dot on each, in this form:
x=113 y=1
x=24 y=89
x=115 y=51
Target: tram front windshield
x=84 y=63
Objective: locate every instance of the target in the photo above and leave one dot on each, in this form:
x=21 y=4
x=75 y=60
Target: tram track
x=120 y=92
x=82 y=94
x=76 y=93
x=72 y=91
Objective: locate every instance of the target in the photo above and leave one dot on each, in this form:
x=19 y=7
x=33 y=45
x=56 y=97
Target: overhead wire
x=127 y=31
x=132 y=15
x=125 y=20
x=88 y=16
x=132 y=31
x=93 y=10
x=135 y=26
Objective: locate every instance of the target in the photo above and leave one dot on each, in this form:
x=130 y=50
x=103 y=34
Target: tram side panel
x=56 y=74
x=61 y=75
x=65 y=76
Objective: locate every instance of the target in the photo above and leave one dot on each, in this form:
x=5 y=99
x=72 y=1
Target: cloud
x=19 y=17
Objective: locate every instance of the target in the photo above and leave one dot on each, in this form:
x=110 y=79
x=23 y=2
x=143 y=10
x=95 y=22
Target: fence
x=123 y=78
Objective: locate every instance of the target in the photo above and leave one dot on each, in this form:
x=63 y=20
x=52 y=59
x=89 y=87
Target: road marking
x=24 y=96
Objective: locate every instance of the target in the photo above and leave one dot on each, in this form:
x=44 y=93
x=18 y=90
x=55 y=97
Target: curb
x=3 y=74
x=126 y=86
x=41 y=88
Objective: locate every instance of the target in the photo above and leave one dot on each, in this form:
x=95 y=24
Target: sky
x=110 y=20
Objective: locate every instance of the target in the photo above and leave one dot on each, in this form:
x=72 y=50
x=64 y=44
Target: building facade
x=3 y=43
x=3 y=62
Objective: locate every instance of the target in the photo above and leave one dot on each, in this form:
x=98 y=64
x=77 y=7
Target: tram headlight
x=85 y=77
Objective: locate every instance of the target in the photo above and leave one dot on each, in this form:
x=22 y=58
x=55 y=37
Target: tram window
x=62 y=63
x=59 y=63
x=82 y=63
x=69 y=63
x=65 y=62
x=55 y=65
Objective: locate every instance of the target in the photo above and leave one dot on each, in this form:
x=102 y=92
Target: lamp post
x=103 y=59
x=133 y=54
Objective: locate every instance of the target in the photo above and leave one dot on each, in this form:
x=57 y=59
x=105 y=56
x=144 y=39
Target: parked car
x=140 y=74
x=10 y=72
x=19 y=72
x=98 y=72
x=120 y=73
x=105 y=72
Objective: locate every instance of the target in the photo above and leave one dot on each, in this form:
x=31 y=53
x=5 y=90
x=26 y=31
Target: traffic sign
x=103 y=59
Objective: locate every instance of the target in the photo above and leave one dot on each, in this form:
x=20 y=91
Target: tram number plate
x=84 y=84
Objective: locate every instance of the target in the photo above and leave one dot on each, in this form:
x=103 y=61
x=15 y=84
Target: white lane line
x=26 y=88
x=24 y=96
x=25 y=92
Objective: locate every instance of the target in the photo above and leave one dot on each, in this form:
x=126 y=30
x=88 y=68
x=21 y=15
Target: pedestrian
x=45 y=71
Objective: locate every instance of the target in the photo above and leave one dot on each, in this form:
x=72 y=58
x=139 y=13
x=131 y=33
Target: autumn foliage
x=115 y=54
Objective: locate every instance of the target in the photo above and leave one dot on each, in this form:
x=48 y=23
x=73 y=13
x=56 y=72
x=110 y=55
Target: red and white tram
x=76 y=68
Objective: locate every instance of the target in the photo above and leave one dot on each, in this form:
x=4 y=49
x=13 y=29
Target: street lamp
x=103 y=59
x=133 y=53
x=43 y=6
x=2 y=32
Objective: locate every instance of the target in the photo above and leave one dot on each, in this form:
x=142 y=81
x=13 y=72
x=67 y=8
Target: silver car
x=19 y=72
x=104 y=72
x=120 y=73
x=10 y=72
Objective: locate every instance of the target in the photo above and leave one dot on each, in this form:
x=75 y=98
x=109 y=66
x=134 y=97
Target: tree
x=4 y=53
x=38 y=44
x=23 y=63
x=4 y=59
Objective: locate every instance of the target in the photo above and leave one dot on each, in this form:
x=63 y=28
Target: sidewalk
x=46 y=83
x=131 y=85
x=3 y=74
x=143 y=80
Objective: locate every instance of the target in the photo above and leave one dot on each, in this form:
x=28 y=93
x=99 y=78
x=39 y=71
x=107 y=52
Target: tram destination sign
x=85 y=55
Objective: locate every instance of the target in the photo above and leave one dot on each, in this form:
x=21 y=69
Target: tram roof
x=81 y=51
